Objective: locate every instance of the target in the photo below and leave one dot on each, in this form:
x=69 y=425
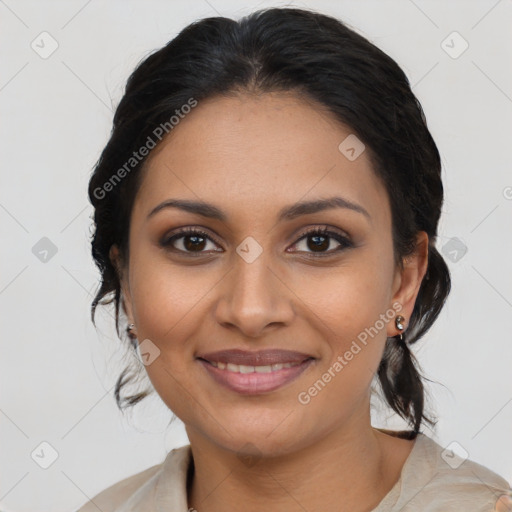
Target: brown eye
x=189 y=241
x=321 y=240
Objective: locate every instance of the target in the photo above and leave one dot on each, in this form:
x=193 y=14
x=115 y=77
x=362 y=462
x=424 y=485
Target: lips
x=252 y=373
x=255 y=358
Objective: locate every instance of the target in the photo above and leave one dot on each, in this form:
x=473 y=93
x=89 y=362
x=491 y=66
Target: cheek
x=166 y=302
x=347 y=315
x=349 y=299
x=164 y=297
x=347 y=306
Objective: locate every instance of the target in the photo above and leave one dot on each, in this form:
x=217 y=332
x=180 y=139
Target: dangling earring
x=399 y=323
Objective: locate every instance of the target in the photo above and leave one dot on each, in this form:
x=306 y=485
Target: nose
x=254 y=298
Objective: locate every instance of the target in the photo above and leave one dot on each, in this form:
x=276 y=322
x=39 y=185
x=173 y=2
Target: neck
x=345 y=470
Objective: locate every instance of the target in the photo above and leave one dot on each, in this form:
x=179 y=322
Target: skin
x=251 y=155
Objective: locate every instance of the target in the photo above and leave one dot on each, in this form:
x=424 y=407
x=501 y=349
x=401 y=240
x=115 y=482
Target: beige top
x=428 y=483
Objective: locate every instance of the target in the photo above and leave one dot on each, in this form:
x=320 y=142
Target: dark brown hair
x=321 y=58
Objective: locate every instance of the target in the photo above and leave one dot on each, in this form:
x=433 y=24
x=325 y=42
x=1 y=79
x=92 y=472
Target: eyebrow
x=287 y=213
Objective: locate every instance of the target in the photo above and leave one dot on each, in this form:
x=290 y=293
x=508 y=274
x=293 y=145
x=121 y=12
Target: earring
x=399 y=323
x=130 y=328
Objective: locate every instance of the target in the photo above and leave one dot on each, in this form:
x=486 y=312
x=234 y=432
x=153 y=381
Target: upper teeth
x=242 y=368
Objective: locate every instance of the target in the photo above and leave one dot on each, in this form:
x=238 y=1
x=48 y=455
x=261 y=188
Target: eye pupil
x=195 y=244
x=324 y=244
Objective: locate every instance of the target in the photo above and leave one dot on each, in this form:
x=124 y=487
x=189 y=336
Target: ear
x=126 y=299
x=407 y=281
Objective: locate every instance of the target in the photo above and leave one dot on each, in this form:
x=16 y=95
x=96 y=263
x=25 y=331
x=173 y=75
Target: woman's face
x=254 y=280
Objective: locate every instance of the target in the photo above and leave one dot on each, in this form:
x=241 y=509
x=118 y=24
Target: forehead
x=258 y=151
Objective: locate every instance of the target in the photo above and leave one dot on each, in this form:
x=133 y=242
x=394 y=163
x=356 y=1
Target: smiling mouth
x=254 y=380
x=242 y=368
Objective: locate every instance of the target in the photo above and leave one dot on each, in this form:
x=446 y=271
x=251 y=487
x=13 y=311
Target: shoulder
x=136 y=492
x=112 y=497
x=437 y=479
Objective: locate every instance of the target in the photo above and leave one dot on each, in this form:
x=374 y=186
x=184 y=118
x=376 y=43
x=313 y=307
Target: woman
x=266 y=212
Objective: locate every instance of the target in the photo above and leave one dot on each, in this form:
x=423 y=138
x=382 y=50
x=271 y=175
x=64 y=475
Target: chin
x=260 y=439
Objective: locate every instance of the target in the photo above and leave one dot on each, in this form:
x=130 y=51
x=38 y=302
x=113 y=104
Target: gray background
x=57 y=372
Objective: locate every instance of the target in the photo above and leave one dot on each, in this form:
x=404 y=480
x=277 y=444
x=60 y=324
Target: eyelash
x=344 y=242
